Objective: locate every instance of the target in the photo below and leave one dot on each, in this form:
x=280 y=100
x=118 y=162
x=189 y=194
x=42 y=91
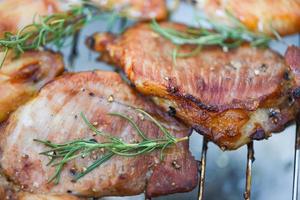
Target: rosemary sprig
x=219 y=34
x=51 y=29
x=60 y=154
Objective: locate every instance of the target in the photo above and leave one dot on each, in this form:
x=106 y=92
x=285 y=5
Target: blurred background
x=225 y=176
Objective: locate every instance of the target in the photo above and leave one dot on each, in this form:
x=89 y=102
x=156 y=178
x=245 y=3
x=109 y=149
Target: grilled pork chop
x=16 y=14
x=229 y=97
x=21 y=78
x=265 y=16
x=55 y=115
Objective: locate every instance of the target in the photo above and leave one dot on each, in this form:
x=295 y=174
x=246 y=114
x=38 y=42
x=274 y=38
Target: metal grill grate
x=250 y=160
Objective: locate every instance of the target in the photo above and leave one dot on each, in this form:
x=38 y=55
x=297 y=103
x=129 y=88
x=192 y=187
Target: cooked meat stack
x=229 y=97
x=22 y=78
x=54 y=115
x=282 y=16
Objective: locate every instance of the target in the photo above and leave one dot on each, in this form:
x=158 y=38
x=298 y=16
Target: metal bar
x=296 y=159
x=74 y=48
x=250 y=159
x=202 y=169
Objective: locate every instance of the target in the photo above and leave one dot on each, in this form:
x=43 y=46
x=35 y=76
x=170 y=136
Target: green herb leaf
x=219 y=34
x=61 y=154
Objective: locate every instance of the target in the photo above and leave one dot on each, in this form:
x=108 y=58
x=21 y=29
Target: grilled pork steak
x=54 y=114
x=283 y=16
x=229 y=97
x=21 y=78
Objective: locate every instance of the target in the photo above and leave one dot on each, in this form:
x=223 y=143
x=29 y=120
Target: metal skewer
x=296 y=159
x=202 y=170
x=297 y=153
x=250 y=159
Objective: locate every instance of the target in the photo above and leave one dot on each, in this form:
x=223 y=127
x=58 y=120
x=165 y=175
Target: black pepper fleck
x=286 y=76
x=263 y=67
x=171 y=111
x=296 y=93
x=91 y=94
x=73 y=171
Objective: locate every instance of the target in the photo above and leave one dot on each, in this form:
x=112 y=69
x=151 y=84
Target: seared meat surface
x=54 y=115
x=265 y=16
x=21 y=78
x=229 y=97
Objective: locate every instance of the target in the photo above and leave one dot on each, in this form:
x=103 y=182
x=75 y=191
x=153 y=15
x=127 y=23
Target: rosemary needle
x=54 y=29
x=219 y=34
x=61 y=154
x=48 y=29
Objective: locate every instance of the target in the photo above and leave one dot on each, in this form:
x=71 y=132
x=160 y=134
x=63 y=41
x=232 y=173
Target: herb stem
x=61 y=154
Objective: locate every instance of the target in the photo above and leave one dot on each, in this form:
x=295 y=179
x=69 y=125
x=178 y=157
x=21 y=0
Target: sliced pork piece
x=265 y=16
x=21 y=78
x=54 y=114
x=229 y=97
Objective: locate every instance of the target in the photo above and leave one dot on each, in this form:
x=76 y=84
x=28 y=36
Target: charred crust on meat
x=73 y=171
x=122 y=176
x=259 y=134
x=263 y=67
x=172 y=89
x=273 y=113
x=199 y=103
x=90 y=42
x=203 y=131
x=176 y=165
x=286 y=75
x=132 y=84
x=171 y=111
x=296 y=93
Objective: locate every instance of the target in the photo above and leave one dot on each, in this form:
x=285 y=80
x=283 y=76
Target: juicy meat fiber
x=258 y=15
x=231 y=98
x=55 y=115
x=21 y=78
